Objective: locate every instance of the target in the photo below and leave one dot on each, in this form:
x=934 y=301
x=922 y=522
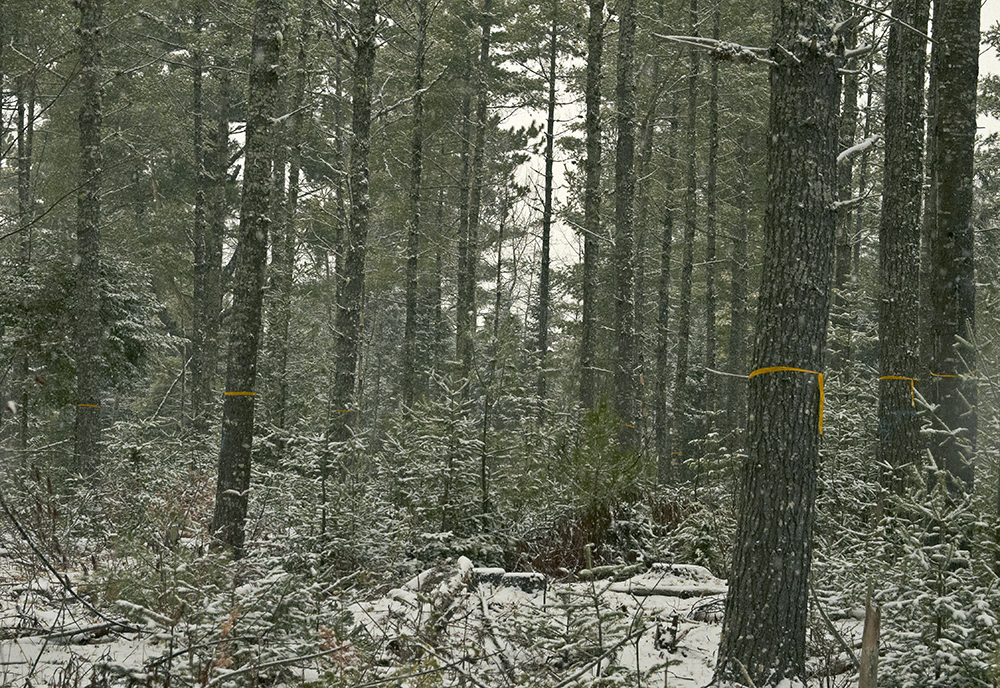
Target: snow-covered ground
x=458 y=623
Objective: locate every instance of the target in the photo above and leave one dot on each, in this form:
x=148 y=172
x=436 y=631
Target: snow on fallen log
x=498 y=578
x=614 y=571
x=674 y=580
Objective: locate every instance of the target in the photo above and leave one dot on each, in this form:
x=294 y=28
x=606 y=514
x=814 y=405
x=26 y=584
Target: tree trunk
x=200 y=231
x=89 y=363
x=952 y=287
x=25 y=144
x=736 y=355
x=352 y=293
x=291 y=208
x=466 y=302
x=680 y=401
x=283 y=249
x=543 y=280
x=439 y=330
x=280 y=259
x=665 y=465
x=839 y=346
x=591 y=204
x=899 y=242
x=232 y=488
x=711 y=217
x=464 y=311
x=410 y=354
x=647 y=133
x=26 y=216
x=766 y=610
x=930 y=213
x=215 y=288
x=625 y=383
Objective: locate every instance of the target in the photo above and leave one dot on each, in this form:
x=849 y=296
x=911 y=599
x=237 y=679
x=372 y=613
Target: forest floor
x=451 y=625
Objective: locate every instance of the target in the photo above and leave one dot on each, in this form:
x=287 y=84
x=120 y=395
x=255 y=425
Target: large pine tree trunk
x=952 y=285
x=899 y=240
x=591 y=203
x=88 y=244
x=410 y=354
x=766 y=610
x=232 y=488
x=352 y=292
x=625 y=383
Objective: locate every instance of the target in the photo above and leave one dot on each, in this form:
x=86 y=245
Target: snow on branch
x=862 y=49
x=857 y=149
x=721 y=50
x=891 y=18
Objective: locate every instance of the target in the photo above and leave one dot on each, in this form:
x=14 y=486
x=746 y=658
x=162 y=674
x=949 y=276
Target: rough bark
x=952 y=289
x=899 y=242
x=591 y=203
x=766 y=609
x=88 y=243
x=625 y=383
x=352 y=293
x=232 y=487
x=930 y=212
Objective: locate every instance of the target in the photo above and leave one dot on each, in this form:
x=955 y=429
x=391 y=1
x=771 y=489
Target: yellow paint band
x=784 y=369
x=239 y=394
x=89 y=406
x=901 y=377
